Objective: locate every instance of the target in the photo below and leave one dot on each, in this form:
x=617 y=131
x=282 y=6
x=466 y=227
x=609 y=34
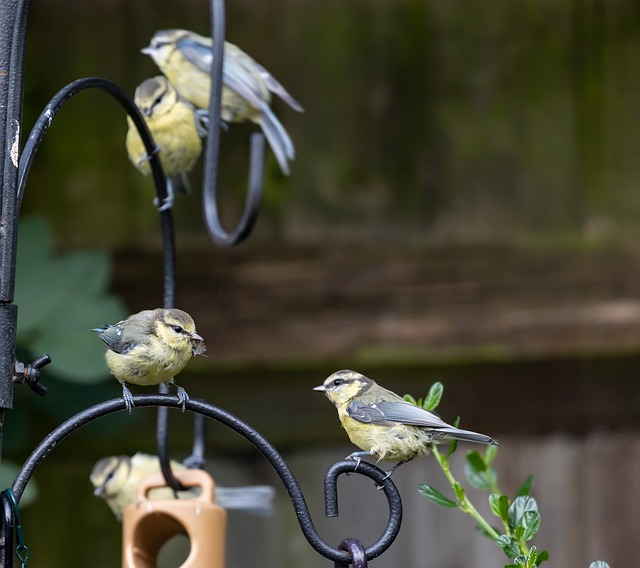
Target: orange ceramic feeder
x=148 y=525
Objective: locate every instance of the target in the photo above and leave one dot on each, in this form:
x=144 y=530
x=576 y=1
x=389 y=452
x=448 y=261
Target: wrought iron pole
x=13 y=18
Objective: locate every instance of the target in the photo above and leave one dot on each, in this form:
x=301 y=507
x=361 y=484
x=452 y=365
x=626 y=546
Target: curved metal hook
x=52 y=108
x=256 y=167
x=380 y=477
x=44 y=122
x=166 y=221
x=264 y=447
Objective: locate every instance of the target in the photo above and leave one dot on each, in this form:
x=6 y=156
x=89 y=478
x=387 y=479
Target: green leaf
x=525 y=488
x=490 y=454
x=459 y=491
x=509 y=545
x=453 y=446
x=532 y=560
x=542 y=556
x=60 y=297
x=531 y=524
x=519 y=532
x=476 y=461
x=480 y=479
x=599 y=564
x=499 y=506
x=433 y=495
x=518 y=508
x=521 y=561
x=432 y=400
x=410 y=399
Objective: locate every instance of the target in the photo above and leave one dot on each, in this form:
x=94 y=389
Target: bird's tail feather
x=468 y=436
x=254 y=499
x=278 y=138
x=277 y=89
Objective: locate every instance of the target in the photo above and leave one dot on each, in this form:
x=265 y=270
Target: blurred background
x=464 y=207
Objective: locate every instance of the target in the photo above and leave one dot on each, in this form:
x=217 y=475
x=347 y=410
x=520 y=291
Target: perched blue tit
x=116 y=479
x=172 y=123
x=151 y=347
x=185 y=58
x=384 y=425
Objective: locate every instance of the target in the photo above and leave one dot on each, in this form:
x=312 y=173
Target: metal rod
x=212 y=152
x=13 y=27
x=262 y=444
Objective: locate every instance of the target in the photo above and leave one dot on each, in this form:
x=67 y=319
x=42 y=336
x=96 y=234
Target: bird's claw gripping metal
x=167 y=202
x=183 y=397
x=128 y=398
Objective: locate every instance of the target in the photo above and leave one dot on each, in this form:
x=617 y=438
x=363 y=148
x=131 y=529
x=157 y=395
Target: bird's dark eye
x=337 y=382
x=177 y=328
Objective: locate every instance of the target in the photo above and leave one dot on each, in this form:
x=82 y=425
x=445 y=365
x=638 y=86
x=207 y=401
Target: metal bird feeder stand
x=146 y=527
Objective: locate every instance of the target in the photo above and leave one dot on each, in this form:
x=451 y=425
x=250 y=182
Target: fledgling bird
x=116 y=479
x=185 y=58
x=384 y=425
x=151 y=347
x=172 y=123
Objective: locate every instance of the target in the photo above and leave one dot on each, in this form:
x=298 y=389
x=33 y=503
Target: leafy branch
x=519 y=516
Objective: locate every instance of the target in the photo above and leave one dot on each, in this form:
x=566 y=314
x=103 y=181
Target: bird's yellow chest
x=192 y=83
x=146 y=365
x=175 y=134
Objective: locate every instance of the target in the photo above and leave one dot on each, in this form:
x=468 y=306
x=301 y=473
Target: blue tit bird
x=384 y=425
x=173 y=125
x=185 y=58
x=150 y=348
x=116 y=479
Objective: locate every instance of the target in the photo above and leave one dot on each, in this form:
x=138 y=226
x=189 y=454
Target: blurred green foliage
x=60 y=298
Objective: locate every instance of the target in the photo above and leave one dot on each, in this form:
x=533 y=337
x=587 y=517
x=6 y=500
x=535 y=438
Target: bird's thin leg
x=357 y=457
x=167 y=202
x=390 y=473
x=128 y=397
x=391 y=470
x=183 y=397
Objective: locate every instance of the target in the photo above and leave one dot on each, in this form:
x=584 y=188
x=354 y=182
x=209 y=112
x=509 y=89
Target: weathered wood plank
x=486 y=303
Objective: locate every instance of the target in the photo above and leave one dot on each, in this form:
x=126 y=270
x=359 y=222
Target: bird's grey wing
x=241 y=76
x=367 y=413
x=389 y=412
x=113 y=336
x=196 y=52
x=127 y=334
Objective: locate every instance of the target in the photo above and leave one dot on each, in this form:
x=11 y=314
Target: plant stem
x=465 y=503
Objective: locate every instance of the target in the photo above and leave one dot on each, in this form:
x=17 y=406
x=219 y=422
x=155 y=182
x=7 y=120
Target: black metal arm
x=264 y=447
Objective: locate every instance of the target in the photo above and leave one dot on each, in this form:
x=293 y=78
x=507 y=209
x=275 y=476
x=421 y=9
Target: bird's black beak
x=320 y=388
x=195 y=336
x=146 y=50
x=98 y=491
